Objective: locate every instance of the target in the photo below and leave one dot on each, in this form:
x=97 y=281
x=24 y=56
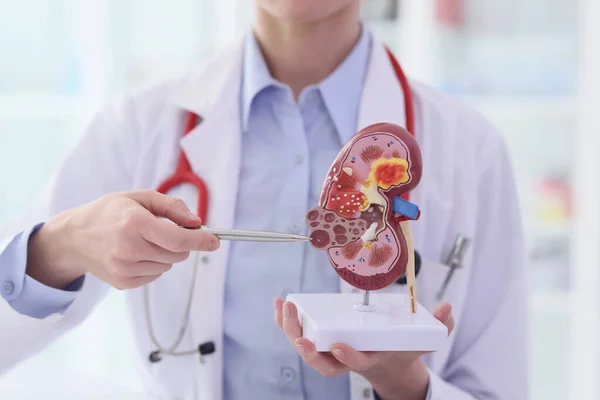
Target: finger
x=152 y=252
x=324 y=363
x=135 y=282
x=174 y=238
x=443 y=313
x=450 y=324
x=291 y=324
x=278 y=303
x=145 y=268
x=355 y=360
x=165 y=206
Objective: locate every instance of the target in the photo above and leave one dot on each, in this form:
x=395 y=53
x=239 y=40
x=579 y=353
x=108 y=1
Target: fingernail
x=213 y=245
x=286 y=310
x=449 y=317
x=191 y=215
x=338 y=353
x=301 y=349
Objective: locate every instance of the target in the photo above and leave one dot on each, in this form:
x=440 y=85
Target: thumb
x=161 y=205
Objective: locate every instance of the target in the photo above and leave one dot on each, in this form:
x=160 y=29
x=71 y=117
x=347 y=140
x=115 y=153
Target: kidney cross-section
x=354 y=221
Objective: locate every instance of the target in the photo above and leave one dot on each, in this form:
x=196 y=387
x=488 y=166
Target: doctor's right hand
x=118 y=238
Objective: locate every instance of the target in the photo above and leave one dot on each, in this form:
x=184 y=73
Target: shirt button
x=296 y=230
x=299 y=158
x=8 y=288
x=288 y=374
x=285 y=293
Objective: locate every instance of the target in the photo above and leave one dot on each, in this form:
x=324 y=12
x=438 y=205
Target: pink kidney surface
x=354 y=221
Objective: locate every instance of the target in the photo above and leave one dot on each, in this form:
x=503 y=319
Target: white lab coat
x=467 y=188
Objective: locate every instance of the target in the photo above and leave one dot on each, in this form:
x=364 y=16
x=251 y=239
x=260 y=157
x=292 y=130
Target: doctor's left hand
x=394 y=375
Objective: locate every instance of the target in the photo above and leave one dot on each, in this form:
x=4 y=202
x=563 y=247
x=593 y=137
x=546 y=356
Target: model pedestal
x=385 y=325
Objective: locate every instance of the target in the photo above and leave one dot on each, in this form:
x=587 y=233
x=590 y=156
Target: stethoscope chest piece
x=204 y=349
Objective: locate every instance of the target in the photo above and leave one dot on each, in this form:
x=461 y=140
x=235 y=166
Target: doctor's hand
x=394 y=375
x=118 y=238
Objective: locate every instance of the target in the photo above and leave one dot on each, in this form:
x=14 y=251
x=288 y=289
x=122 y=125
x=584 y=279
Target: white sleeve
x=102 y=162
x=489 y=359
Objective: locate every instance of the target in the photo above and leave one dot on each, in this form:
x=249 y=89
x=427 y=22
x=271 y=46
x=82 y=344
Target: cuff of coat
x=428 y=397
x=40 y=301
x=28 y=296
x=442 y=390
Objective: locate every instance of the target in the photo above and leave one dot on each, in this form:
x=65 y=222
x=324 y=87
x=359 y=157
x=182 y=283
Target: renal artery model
x=361 y=220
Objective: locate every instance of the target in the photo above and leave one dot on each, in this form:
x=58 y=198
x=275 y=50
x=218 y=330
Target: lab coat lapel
x=213 y=146
x=213 y=150
x=382 y=98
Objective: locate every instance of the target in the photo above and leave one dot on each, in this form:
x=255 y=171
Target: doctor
x=274 y=111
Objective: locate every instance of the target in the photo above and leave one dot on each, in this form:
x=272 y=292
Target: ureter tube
x=410 y=267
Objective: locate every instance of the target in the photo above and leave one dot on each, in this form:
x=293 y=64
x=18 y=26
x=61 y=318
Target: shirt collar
x=256 y=76
x=341 y=90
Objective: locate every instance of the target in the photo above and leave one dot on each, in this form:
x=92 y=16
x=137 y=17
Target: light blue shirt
x=25 y=294
x=288 y=147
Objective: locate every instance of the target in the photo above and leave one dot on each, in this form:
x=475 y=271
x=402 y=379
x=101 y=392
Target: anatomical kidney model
x=361 y=219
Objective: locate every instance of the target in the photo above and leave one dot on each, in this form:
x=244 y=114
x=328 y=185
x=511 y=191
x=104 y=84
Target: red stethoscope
x=184 y=175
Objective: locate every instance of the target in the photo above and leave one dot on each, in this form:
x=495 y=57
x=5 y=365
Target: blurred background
x=525 y=64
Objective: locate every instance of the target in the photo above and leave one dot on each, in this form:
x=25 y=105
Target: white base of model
x=386 y=324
